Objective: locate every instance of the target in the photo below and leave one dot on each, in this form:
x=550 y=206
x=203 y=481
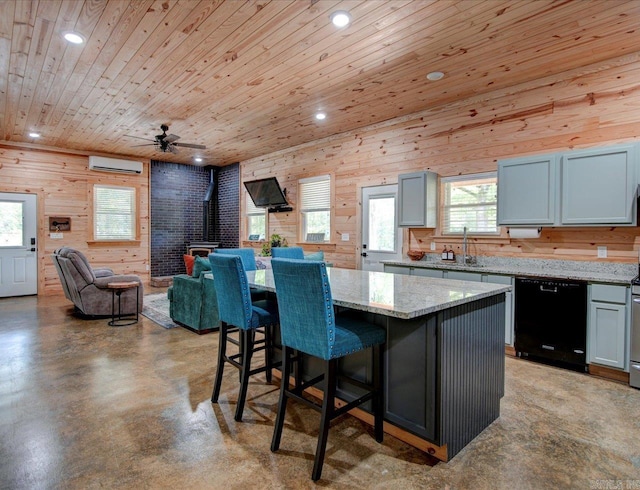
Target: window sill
x=109 y=243
x=317 y=245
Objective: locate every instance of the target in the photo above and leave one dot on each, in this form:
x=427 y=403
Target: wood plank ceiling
x=245 y=78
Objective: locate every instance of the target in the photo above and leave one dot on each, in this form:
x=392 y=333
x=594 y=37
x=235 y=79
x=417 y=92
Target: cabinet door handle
x=549 y=290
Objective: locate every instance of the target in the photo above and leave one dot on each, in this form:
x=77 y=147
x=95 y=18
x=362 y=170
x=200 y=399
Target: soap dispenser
x=445 y=254
x=451 y=255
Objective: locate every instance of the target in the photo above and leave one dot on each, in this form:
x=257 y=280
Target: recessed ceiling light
x=34 y=135
x=198 y=159
x=435 y=75
x=340 y=18
x=74 y=37
x=320 y=116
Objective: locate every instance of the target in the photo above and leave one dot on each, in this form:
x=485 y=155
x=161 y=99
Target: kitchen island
x=444 y=355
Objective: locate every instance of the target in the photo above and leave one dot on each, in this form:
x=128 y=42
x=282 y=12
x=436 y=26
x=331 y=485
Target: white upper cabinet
x=527 y=189
x=418 y=199
x=594 y=187
x=599 y=186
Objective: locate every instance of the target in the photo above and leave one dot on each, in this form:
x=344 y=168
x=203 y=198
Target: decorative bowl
x=415 y=254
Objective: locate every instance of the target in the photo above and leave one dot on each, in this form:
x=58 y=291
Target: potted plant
x=275 y=241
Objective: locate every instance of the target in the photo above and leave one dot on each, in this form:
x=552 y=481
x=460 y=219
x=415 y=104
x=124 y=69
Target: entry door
x=18 y=248
x=381 y=238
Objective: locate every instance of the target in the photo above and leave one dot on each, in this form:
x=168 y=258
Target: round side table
x=117 y=288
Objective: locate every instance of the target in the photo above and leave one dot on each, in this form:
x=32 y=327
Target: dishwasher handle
x=553 y=289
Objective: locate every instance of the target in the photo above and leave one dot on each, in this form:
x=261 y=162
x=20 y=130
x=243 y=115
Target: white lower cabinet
x=397 y=269
x=463 y=276
x=419 y=271
x=607 y=328
x=508 y=303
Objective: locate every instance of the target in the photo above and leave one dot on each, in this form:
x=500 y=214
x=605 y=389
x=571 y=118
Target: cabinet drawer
x=498 y=279
x=609 y=293
x=463 y=276
x=397 y=269
x=418 y=271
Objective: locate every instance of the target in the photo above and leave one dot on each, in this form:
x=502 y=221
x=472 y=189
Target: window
x=256 y=220
x=114 y=213
x=11 y=224
x=315 y=208
x=470 y=201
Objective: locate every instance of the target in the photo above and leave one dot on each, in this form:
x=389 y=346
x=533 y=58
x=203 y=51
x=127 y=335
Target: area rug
x=156 y=309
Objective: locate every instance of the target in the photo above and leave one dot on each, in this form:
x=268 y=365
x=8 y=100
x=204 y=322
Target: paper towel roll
x=520 y=233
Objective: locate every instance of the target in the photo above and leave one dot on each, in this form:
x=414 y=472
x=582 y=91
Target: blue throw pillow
x=200 y=265
x=315 y=256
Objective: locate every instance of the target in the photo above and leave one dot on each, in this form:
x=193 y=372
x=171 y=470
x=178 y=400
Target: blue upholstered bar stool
x=237 y=310
x=308 y=325
x=247 y=255
x=287 y=253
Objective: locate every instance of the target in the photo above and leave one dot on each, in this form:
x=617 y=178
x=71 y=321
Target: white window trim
x=463 y=178
x=252 y=210
x=302 y=210
x=133 y=213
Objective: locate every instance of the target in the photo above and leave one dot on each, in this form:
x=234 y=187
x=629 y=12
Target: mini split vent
x=102 y=164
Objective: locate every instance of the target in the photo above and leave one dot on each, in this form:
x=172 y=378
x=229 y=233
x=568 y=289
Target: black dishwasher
x=551 y=321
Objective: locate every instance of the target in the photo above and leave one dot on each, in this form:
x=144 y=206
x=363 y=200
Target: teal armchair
x=193 y=302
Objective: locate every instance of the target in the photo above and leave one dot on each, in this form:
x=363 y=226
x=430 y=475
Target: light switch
x=433 y=245
x=345 y=237
x=56 y=236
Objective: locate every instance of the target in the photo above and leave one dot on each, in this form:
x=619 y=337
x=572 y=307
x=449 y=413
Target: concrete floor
x=84 y=405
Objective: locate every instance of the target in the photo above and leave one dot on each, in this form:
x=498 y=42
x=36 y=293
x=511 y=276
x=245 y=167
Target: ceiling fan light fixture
x=340 y=18
x=435 y=76
x=73 y=37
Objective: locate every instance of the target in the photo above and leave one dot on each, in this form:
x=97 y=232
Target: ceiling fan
x=167 y=142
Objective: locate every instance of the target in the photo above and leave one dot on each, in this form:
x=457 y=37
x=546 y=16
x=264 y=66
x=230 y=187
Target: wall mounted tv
x=267 y=193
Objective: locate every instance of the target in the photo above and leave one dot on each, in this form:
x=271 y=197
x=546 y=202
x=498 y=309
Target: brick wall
x=229 y=206
x=177 y=192
x=176 y=213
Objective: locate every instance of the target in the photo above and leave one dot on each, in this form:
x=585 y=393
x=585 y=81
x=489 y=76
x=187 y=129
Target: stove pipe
x=210 y=208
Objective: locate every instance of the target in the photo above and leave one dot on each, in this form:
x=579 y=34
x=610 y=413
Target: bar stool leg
x=268 y=352
x=328 y=407
x=222 y=349
x=246 y=369
x=282 y=402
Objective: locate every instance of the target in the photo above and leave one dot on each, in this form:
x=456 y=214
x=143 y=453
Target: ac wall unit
x=103 y=164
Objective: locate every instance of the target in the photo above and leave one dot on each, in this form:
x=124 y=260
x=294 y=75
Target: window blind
x=114 y=213
x=251 y=208
x=470 y=201
x=315 y=194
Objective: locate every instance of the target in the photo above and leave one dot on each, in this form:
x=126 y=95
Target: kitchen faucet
x=466 y=259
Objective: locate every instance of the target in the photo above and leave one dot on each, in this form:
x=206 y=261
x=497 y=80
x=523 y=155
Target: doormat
x=156 y=309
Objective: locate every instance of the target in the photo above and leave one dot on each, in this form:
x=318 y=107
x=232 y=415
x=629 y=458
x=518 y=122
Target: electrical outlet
x=433 y=245
x=602 y=252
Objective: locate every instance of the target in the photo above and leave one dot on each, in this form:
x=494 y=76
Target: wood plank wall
x=63 y=184
x=592 y=106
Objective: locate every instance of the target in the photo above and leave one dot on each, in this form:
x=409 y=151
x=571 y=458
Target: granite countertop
x=601 y=272
x=395 y=295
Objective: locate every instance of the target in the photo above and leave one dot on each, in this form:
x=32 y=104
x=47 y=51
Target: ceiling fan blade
x=189 y=145
x=171 y=138
x=148 y=144
x=138 y=137
x=172 y=148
